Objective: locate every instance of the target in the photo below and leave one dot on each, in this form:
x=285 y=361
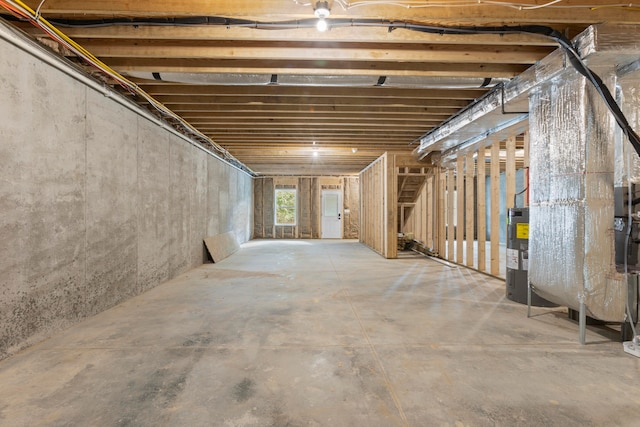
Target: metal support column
x=583 y=323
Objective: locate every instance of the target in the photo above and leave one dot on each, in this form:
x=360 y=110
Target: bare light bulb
x=322 y=11
x=322 y=25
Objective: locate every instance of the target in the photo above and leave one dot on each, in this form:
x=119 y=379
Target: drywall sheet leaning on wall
x=572 y=177
x=222 y=245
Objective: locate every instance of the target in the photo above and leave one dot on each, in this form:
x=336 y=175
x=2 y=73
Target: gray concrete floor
x=322 y=333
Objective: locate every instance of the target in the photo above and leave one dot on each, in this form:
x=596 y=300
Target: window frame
x=294 y=207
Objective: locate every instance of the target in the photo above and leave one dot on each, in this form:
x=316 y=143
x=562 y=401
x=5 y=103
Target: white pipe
x=19 y=40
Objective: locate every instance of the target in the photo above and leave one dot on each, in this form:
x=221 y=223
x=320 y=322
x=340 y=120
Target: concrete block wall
x=97 y=203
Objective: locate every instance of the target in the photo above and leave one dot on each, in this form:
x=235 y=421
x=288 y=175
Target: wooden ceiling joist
x=270 y=126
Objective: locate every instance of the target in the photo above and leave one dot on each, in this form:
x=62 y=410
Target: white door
x=331 y=214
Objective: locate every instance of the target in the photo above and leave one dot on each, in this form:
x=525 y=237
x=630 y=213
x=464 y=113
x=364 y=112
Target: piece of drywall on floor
x=98 y=203
x=308 y=202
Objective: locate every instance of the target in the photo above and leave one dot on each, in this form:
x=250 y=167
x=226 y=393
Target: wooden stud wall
x=372 y=205
x=467 y=195
x=379 y=204
x=422 y=215
x=463 y=198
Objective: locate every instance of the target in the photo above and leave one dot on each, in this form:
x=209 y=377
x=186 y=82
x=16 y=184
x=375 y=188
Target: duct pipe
x=411 y=82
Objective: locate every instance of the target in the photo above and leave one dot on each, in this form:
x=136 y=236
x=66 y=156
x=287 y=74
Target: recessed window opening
x=285 y=207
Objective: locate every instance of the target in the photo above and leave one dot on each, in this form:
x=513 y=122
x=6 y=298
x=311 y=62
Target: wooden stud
x=495 y=208
x=481 y=206
x=511 y=171
x=450 y=213
x=391 y=207
x=428 y=207
x=460 y=209
x=441 y=211
x=469 y=211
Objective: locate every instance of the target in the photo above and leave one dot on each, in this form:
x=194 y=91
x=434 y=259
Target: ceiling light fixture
x=322 y=11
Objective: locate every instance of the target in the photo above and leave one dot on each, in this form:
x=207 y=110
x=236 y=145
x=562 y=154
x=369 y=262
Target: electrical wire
x=421 y=4
x=23 y=11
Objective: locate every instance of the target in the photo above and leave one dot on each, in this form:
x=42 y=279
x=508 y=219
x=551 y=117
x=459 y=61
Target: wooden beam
x=362 y=34
x=221 y=117
x=276 y=10
x=251 y=91
x=183 y=102
x=335 y=108
x=313 y=51
x=329 y=67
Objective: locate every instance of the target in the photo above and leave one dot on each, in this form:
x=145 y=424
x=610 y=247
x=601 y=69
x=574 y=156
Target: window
x=286 y=207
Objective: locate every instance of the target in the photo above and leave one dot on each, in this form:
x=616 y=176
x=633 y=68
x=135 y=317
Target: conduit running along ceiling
x=266 y=95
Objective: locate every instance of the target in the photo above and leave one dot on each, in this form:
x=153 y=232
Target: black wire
x=540 y=30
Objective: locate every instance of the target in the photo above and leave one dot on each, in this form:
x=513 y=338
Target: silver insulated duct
x=571 y=244
x=577 y=157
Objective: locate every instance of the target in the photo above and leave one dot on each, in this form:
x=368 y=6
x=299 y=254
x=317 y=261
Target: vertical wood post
x=481 y=214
